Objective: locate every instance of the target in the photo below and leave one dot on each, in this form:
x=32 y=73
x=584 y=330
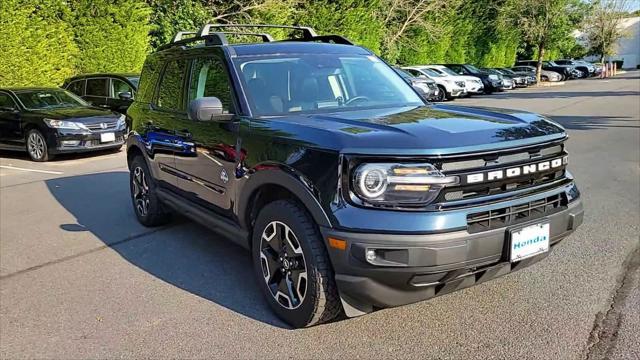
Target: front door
x=10 y=124
x=208 y=172
x=114 y=101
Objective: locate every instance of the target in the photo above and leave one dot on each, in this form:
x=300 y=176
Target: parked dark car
x=112 y=91
x=491 y=82
x=530 y=78
x=49 y=121
x=566 y=71
x=426 y=87
x=587 y=68
x=349 y=190
x=517 y=80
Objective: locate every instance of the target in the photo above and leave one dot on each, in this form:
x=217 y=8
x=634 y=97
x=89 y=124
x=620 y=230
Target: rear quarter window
x=148 y=79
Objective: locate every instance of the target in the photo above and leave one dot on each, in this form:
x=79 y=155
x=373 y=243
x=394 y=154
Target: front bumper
x=418 y=267
x=475 y=88
x=73 y=141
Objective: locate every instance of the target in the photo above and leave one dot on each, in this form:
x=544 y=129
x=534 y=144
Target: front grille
x=460 y=83
x=469 y=193
x=111 y=125
x=498 y=218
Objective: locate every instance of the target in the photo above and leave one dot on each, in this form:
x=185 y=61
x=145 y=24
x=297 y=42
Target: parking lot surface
x=80 y=278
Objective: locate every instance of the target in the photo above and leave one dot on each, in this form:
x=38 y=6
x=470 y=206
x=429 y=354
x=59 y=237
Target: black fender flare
x=288 y=179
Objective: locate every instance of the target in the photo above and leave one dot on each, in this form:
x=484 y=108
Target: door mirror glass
x=125 y=95
x=208 y=109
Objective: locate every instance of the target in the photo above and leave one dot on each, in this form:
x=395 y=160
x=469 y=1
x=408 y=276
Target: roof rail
x=307 y=32
x=219 y=37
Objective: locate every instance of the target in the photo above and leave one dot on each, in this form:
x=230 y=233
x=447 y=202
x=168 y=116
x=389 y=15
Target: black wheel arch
x=273 y=184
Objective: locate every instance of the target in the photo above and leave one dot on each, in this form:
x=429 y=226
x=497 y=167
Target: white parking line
x=31 y=170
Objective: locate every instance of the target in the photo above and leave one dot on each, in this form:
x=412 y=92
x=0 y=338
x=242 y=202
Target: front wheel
x=292 y=266
x=149 y=210
x=37 y=146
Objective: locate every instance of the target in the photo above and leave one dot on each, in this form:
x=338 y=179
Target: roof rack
x=219 y=37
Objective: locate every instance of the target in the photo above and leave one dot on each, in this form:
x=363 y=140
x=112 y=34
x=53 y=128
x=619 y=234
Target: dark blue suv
x=351 y=192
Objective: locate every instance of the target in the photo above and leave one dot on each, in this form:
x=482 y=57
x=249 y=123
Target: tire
x=292 y=266
x=37 y=146
x=442 y=94
x=149 y=210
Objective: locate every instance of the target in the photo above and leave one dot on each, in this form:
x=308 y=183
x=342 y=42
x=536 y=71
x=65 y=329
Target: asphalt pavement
x=80 y=278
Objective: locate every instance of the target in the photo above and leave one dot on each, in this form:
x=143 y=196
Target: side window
x=6 y=102
x=97 y=87
x=415 y=73
x=170 y=92
x=118 y=86
x=77 y=87
x=209 y=78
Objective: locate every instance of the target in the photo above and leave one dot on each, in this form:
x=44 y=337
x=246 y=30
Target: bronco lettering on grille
x=517 y=171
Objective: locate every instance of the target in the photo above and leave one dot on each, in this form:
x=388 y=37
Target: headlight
x=62 y=124
x=121 y=121
x=399 y=184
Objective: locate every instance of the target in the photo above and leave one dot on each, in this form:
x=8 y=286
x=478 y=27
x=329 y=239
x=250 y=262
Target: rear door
x=10 y=121
x=97 y=91
x=208 y=171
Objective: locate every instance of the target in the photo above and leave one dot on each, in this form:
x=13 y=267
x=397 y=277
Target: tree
x=37 y=47
x=112 y=35
x=603 y=28
x=545 y=23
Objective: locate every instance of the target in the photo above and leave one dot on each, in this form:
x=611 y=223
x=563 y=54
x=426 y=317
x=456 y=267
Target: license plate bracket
x=529 y=240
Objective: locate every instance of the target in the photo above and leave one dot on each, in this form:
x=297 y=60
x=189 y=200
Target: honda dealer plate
x=107 y=137
x=529 y=241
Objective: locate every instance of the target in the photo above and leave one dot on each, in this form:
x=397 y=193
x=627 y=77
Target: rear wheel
x=37 y=146
x=149 y=210
x=292 y=265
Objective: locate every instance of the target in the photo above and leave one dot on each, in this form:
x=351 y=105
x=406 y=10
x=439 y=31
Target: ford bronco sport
x=350 y=191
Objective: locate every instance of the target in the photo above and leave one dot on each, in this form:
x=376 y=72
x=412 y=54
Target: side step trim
x=207 y=218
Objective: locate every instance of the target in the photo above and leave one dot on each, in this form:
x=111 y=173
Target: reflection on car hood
x=81 y=114
x=436 y=129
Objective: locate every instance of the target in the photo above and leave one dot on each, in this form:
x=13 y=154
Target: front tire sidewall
x=45 y=150
x=277 y=211
x=156 y=214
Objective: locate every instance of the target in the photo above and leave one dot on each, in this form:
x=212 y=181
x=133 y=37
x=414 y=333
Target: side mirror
x=208 y=109
x=125 y=95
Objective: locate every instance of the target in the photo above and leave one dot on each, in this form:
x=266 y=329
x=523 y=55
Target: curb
x=549 y=84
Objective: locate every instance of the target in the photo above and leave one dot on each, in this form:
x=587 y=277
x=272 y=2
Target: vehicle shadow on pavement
x=544 y=93
x=182 y=253
x=596 y=122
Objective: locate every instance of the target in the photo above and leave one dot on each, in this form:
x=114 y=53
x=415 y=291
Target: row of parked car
x=449 y=81
x=115 y=92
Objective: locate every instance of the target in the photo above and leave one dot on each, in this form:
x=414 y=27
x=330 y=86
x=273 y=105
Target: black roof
x=29 y=88
x=120 y=75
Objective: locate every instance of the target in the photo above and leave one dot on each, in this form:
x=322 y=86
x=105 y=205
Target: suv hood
x=83 y=115
x=425 y=130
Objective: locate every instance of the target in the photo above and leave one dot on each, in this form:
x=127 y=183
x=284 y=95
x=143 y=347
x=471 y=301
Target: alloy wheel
x=140 y=191
x=36 y=145
x=283 y=265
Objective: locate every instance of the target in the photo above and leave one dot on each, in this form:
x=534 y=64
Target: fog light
x=371 y=255
x=70 y=142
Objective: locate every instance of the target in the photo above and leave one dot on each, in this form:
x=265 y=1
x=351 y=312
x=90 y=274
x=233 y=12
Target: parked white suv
x=472 y=84
x=450 y=86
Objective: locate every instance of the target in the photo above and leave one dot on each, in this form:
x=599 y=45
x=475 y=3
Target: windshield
x=403 y=73
x=134 y=81
x=432 y=72
x=49 y=99
x=446 y=70
x=473 y=69
x=321 y=83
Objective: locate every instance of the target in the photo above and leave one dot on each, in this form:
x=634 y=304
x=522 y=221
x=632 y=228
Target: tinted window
x=6 y=102
x=118 y=86
x=148 y=79
x=77 y=87
x=170 y=92
x=97 y=87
